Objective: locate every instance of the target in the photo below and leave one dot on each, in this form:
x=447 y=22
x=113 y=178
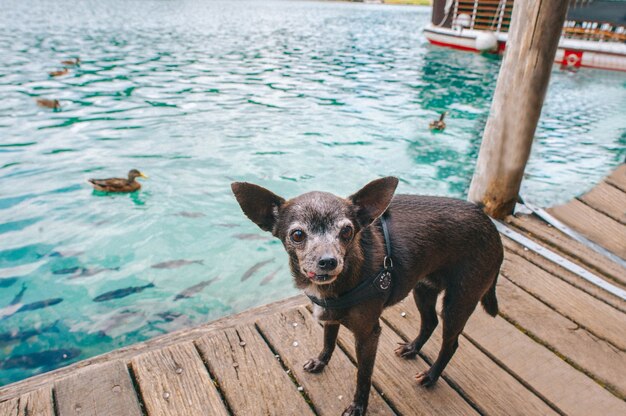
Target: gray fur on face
x=321 y=216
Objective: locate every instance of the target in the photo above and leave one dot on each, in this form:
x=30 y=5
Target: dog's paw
x=354 y=410
x=314 y=365
x=406 y=350
x=426 y=379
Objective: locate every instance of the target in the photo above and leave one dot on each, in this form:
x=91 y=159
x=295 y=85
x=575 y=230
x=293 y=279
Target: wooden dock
x=558 y=347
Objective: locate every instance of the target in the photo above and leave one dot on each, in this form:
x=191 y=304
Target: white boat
x=594 y=34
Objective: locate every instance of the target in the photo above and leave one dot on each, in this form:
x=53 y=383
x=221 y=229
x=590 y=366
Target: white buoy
x=463 y=20
x=486 y=41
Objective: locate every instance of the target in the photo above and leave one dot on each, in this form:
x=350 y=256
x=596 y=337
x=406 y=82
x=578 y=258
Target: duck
x=48 y=103
x=71 y=62
x=59 y=73
x=438 y=125
x=119 y=184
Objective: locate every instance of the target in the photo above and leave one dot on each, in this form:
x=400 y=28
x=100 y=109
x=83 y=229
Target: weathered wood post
x=522 y=83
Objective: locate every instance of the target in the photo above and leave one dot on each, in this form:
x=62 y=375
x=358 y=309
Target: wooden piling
x=516 y=107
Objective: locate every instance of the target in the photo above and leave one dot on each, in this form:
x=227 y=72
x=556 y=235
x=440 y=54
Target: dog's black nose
x=327 y=263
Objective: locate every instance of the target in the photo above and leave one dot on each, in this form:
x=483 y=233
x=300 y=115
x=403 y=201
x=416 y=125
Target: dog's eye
x=297 y=236
x=346 y=232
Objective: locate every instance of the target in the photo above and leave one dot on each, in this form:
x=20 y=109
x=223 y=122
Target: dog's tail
x=489 y=300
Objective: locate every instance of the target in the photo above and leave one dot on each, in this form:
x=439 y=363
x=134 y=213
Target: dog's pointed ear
x=258 y=203
x=373 y=199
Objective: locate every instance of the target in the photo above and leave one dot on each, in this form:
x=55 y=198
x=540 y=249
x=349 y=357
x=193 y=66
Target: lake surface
x=294 y=95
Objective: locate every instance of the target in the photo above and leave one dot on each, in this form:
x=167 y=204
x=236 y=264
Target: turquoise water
x=292 y=95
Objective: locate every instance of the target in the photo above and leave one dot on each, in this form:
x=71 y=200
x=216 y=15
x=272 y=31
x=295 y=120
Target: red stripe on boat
x=453 y=45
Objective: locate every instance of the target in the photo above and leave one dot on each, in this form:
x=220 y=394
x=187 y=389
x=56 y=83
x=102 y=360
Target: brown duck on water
x=59 y=73
x=48 y=103
x=439 y=124
x=119 y=184
x=71 y=62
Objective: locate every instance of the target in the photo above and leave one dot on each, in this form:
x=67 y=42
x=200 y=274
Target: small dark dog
x=336 y=244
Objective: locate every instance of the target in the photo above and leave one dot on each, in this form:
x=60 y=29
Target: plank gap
x=448 y=380
x=531 y=227
x=612 y=185
x=599 y=210
x=581 y=326
x=592 y=269
x=214 y=380
x=135 y=384
x=513 y=374
x=55 y=402
x=605 y=385
x=288 y=371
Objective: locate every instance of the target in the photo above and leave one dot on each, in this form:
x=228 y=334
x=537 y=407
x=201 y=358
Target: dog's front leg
x=315 y=365
x=366 y=341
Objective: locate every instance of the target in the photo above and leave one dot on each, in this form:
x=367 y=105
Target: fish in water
x=121 y=293
x=18 y=298
x=21 y=336
x=7 y=281
x=68 y=253
x=270 y=277
x=84 y=272
x=122 y=320
x=40 y=304
x=246 y=236
x=228 y=225
x=18 y=307
x=192 y=290
x=173 y=264
x=169 y=316
x=46 y=359
x=15 y=305
x=252 y=270
x=68 y=270
x=188 y=214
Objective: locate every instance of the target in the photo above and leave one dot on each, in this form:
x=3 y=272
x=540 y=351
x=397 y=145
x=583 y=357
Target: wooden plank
x=596 y=226
x=493 y=390
x=594 y=315
x=568 y=389
x=607 y=199
x=37 y=403
x=34 y=403
x=394 y=377
x=587 y=352
x=126 y=353
x=574 y=251
x=250 y=376
x=98 y=390
x=618 y=177
x=9 y=407
x=296 y=337
x=174 y=381
x=577 y=281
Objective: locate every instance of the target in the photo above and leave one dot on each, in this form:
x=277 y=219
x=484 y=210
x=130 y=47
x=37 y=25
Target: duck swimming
x=59 y=73
x=71 y=62
x=119 y=184
x=438 y=125
x=47 y=103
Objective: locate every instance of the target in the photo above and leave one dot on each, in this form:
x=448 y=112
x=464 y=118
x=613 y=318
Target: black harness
x=368 y=288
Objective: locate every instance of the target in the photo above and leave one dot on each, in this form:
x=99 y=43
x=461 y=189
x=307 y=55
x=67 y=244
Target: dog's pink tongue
x=311 y=275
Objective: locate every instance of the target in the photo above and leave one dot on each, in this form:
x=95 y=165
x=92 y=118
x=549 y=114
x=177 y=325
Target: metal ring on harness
x=388 y=263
